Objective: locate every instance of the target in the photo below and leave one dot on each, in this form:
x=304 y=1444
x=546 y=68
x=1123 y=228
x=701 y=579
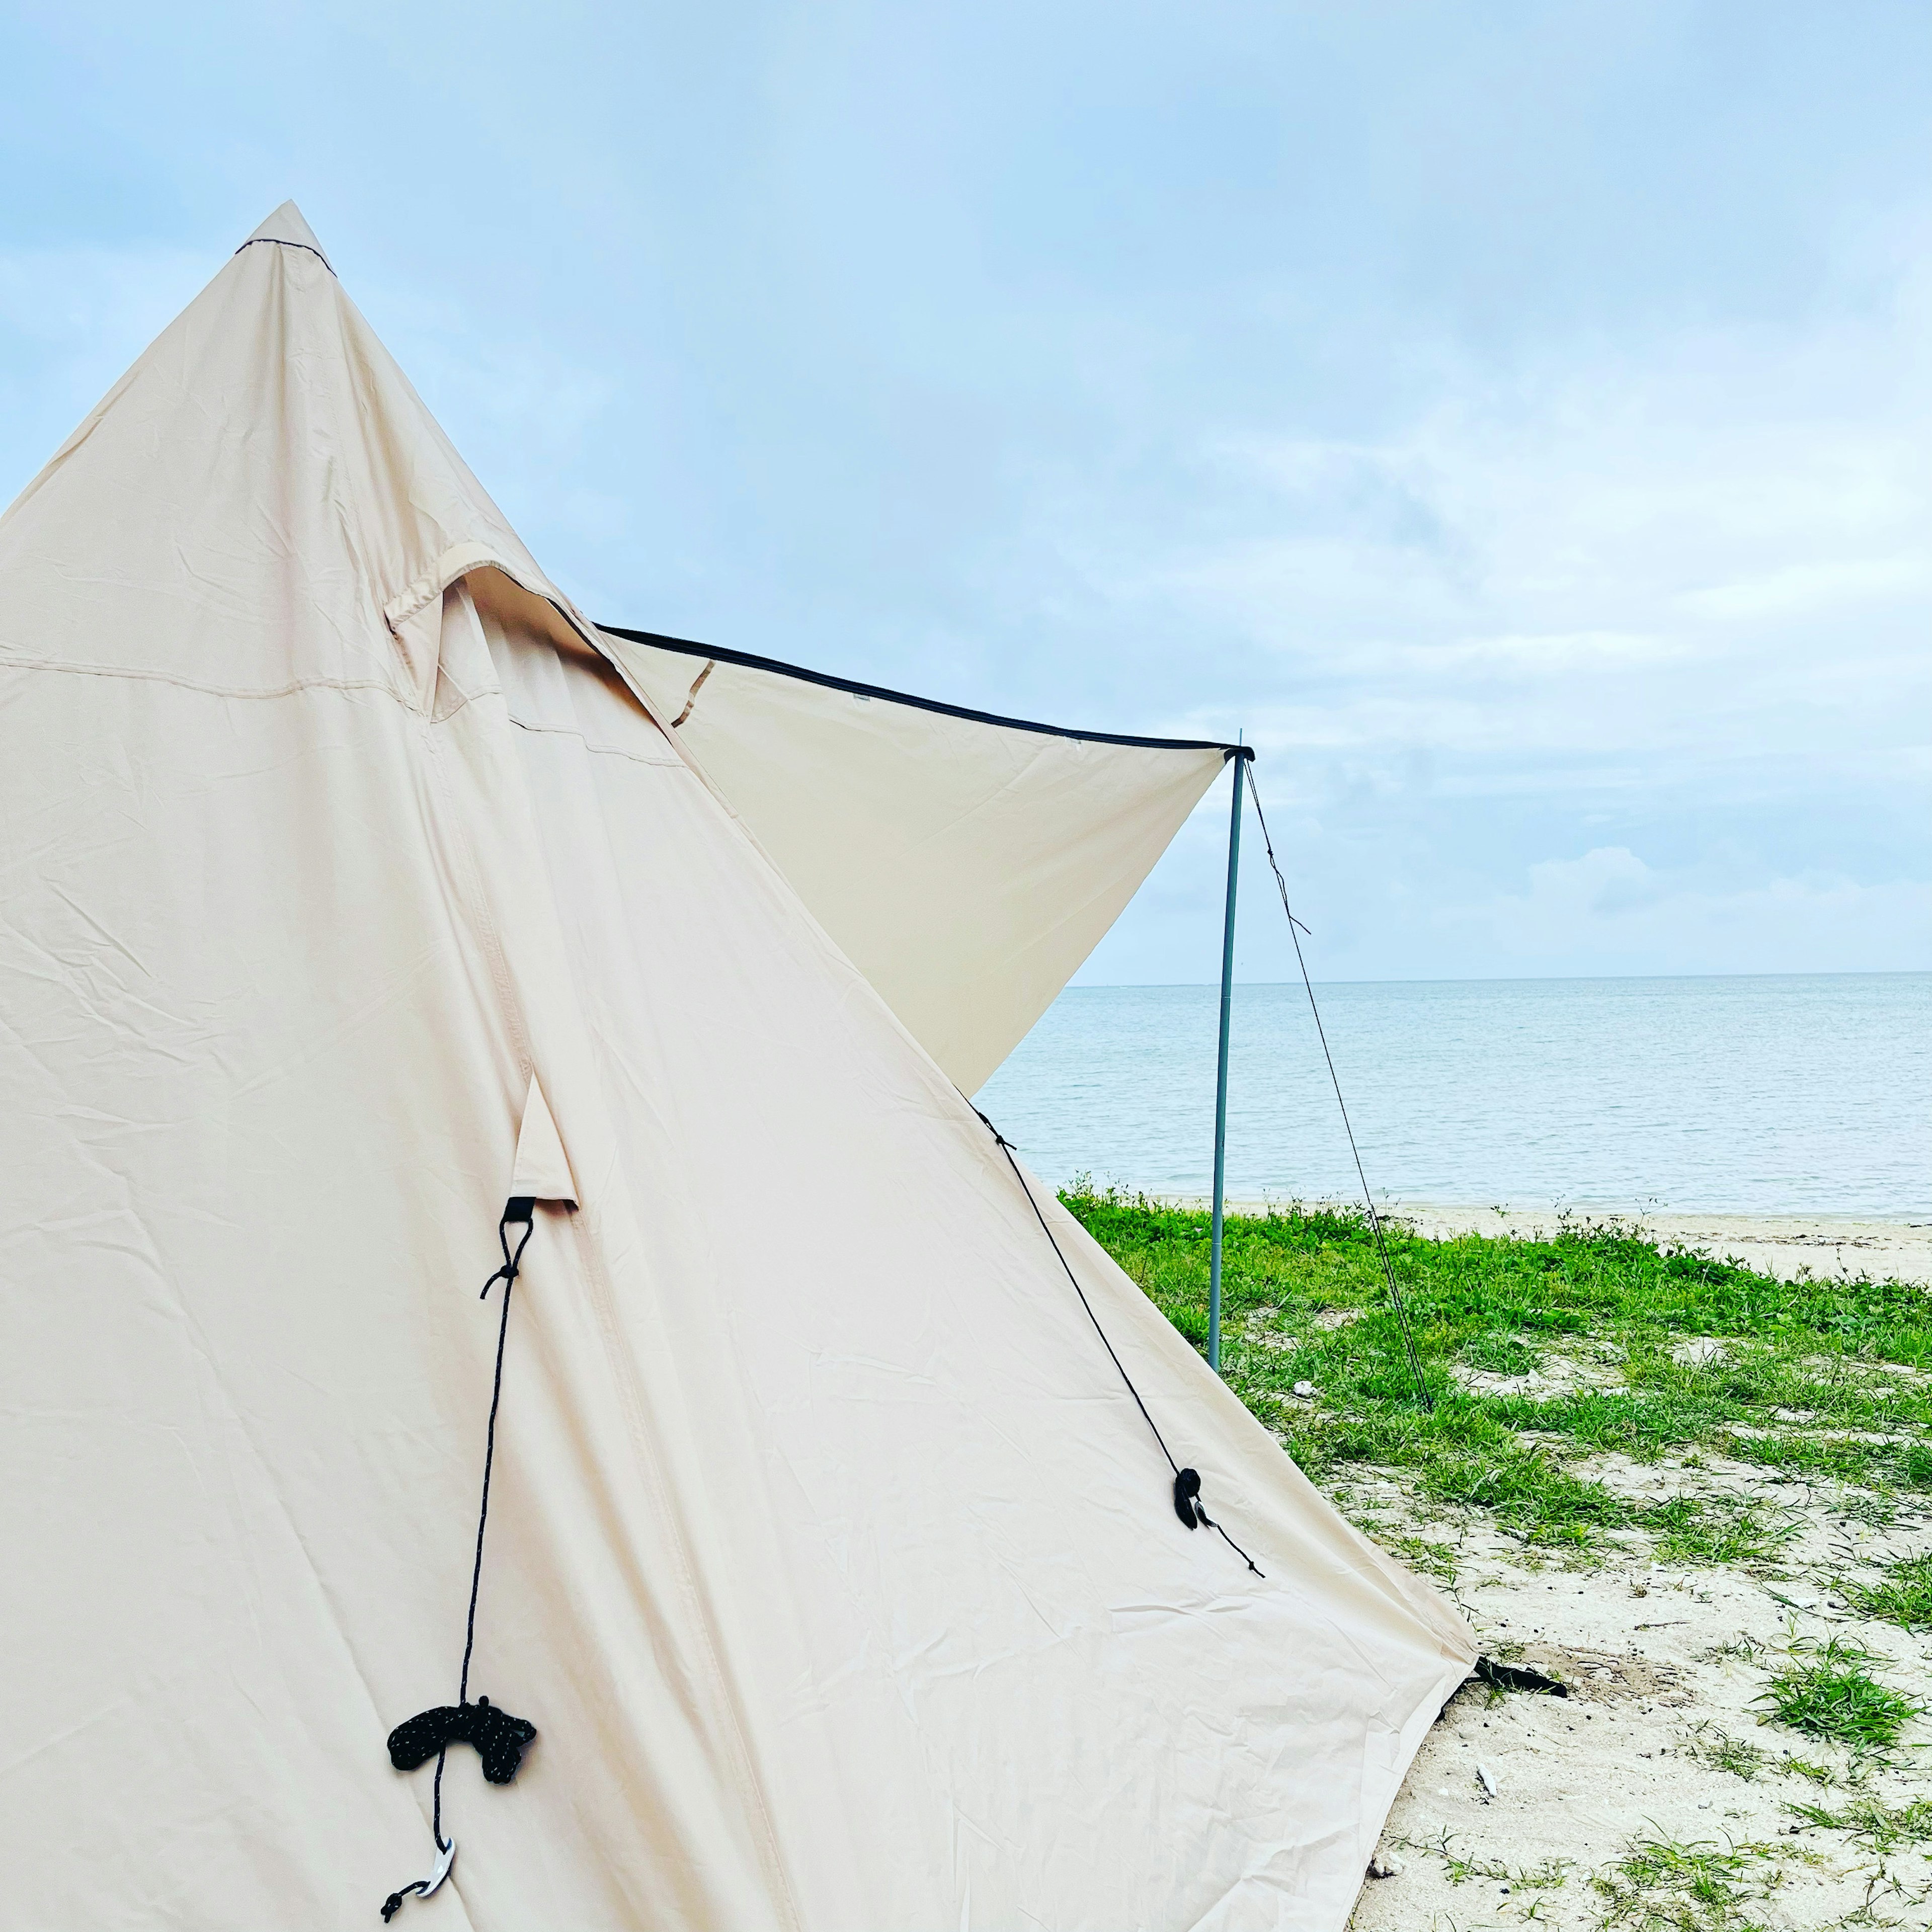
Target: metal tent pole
x=1221 y=1080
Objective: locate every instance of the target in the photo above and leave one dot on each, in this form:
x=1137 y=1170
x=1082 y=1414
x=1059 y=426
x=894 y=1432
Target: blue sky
x=1517 y=419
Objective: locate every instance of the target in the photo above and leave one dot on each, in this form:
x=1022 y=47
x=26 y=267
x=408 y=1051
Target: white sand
x=1660 y=1672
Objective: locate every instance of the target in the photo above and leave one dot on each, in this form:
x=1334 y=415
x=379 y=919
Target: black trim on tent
x=687 y=648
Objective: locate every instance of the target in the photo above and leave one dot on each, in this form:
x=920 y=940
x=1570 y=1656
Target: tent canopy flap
x=966 y=864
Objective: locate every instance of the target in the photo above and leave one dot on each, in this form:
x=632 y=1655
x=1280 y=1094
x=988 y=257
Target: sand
x=1663 y=1665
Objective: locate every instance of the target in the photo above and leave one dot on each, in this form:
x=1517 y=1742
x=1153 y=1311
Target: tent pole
x=1221 y=1078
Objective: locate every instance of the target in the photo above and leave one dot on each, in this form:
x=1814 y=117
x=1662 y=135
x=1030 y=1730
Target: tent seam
x=13 y=660
x=672 y=763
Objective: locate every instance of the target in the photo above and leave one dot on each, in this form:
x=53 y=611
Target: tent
x=353 y=879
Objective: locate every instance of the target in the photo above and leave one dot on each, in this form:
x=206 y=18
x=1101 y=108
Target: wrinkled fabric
x=834 y=1564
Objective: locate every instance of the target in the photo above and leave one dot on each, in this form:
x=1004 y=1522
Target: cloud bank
x=1515 y=420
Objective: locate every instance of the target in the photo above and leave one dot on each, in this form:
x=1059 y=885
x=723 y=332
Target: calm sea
x=1805 y=1094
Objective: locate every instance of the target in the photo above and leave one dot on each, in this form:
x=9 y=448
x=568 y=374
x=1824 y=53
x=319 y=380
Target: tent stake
x=1221 y=1078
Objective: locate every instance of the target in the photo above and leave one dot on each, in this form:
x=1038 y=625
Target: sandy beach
x=1659 y=1743
x=1784 y=1245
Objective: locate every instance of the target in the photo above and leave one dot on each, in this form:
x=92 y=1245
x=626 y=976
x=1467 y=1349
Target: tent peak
x=286 y=226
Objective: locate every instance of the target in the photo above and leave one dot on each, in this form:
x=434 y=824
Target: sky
x=1516 y=420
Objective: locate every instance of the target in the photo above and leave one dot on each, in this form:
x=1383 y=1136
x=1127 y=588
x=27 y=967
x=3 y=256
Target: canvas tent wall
x=831 y=1558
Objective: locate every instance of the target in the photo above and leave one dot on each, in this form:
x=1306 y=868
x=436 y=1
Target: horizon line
x=1499 y=979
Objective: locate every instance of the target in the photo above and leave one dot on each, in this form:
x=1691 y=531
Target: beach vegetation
x=1830 y=1695
x=1459 y=1869
x=1903 y=1596
x=1500 y=1354
x=1664 y=1885
x=1737 y=1755
x=1717 y=1529
x=1542 y=1358
x=1884 y=1828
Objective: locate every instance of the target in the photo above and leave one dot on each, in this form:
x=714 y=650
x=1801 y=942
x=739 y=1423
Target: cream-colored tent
x=828 y=1551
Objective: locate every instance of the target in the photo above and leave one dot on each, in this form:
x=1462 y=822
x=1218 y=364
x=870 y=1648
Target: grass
x=1904 y=1597
x=1717 y=1529
x=1832 y=1696
x=1884 y=1828
x=1597 y=1310
x=1735 y=1755
x=1548 y=1875
x=1662 y=1885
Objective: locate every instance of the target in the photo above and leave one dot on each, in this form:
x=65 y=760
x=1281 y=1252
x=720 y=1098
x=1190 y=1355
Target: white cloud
x=1613 y=661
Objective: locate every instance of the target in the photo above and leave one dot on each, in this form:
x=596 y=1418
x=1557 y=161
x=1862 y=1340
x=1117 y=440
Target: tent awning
x=966 y=864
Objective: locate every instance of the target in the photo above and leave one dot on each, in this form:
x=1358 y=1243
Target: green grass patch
x=1597 y=1309
x=1834 y=1697
x=1904 y=1596
x=1500 y=1354
x=1716 y=1529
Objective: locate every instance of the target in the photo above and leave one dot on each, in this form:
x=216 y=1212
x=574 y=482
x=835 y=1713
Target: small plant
x=1659 y=1884
x=1546 y=1876
x=1880 y=1825
x=1717 y=1529
x=1833 y=1697
x=1500 y=1354
x=1419 y=1553
x=1740 y=1758
x=1459 y=1870
x=1869 y=1507
x=1904 y=1597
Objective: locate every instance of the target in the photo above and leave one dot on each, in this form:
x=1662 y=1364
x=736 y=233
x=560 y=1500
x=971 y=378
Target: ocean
x=1784 y=1094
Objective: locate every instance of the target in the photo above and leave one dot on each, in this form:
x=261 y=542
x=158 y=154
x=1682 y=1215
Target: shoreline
x=1896 y=1248
x=1784 y=1245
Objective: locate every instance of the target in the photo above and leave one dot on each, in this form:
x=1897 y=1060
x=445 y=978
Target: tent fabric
x=827 y=1553
x=966 y=866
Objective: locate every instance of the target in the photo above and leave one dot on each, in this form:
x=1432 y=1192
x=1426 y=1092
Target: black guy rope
x=1295 y=929
x=1187 y=1504
x=499 y=1738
